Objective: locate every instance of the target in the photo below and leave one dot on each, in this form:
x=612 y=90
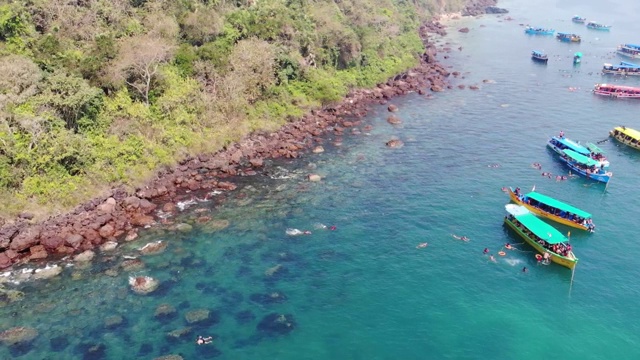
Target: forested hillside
x=96 y=93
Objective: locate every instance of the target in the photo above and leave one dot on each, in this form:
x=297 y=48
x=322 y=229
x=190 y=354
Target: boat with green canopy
x=585 y=166
x=544 y=238
x=598 y=154
x=552 y=209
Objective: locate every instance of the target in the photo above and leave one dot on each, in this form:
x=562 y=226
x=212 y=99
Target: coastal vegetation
x=102 y=93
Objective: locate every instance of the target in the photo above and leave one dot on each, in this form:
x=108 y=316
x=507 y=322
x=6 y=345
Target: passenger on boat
x=561 y=134
x=517 y=192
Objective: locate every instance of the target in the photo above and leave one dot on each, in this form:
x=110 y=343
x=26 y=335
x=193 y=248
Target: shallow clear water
x=364 y=291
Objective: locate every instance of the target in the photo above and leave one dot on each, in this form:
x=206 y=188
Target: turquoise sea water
x=364 y=291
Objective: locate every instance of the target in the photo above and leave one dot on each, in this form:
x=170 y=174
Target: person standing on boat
x=561 y=134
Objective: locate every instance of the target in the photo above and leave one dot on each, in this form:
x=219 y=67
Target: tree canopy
x=98 y=93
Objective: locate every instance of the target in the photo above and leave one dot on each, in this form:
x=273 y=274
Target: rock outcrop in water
x=143 y=284
x=20 y=335
x=276 y=324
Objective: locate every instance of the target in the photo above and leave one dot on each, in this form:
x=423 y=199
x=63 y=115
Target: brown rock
x=436 y=88
x=74 y=240
x=256 y=162
x=394 y=120
x=26 y=215
x=318 y=149
x=131 y=235
x=4 y=260
x=142 y=220
x=395 y=143
x=25 y=239
x=464 y=30
x=474 y=87
x=52 y=242
x=146 y=206
x=131 y=203
x=107 y=231
x=314 y=177
x=169 y=207
x=38 y=252
x=225 y=185
x=108 y=206
x=392 y=108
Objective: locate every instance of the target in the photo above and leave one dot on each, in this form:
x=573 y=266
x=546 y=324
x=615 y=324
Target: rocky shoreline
x=107 y=220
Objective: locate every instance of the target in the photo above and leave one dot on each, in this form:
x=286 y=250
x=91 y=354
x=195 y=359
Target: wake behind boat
x=561 y=143
x=585 y=166
x=543 y=237
x=627 y=136
x=552 y=209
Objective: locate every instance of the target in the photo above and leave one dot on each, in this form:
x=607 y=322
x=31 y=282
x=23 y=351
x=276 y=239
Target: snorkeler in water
x=463 y=238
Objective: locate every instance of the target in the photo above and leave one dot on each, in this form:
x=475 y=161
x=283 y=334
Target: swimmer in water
x=306 y=232
x=422 y=245
x=463 y=238
x=486 y=250
x=508 y=246
x=203 y=340
x=524 y=269
x=333 y=227
x=491 y=258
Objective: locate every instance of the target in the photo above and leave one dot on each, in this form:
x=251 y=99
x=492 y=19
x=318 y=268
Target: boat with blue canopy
x=567 y=37
x=579 y=19
x=552 y=209
x=624 y=69
x=627 y=136
x=598 y=26
x=538 y=31
x=585 y=166
x=539 y=56
x=561 y=143
x=544 y=238
x=629 y=50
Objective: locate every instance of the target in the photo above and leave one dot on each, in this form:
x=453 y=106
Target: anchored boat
x=578 y=19
x=585 y=166
x=597 y=26
x=539 y=56
x=625 y=68
x=629 y=50
x=561 y=143
x=538 y=31
x=617 y=91
x=568 y=37
x=627 y=136
x=553 y=209
x=541 y=236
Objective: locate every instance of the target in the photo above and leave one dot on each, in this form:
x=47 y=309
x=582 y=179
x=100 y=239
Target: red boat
x=617 y=91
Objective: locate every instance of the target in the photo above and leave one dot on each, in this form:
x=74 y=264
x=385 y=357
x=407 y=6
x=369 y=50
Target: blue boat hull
x=599 y=28
x=533 y=32
x=597 y=177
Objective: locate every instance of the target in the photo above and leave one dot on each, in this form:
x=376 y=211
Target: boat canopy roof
x=581 y=158
x=627 y=131
x=573 y=145
x=624 y=63
x=536 y=52
x=594 y=148
x=544 y=199
x=541 y=229
x=633 y=46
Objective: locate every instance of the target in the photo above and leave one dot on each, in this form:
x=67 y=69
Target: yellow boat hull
x=631 y=142
x=545 y=214
x=569 y=261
